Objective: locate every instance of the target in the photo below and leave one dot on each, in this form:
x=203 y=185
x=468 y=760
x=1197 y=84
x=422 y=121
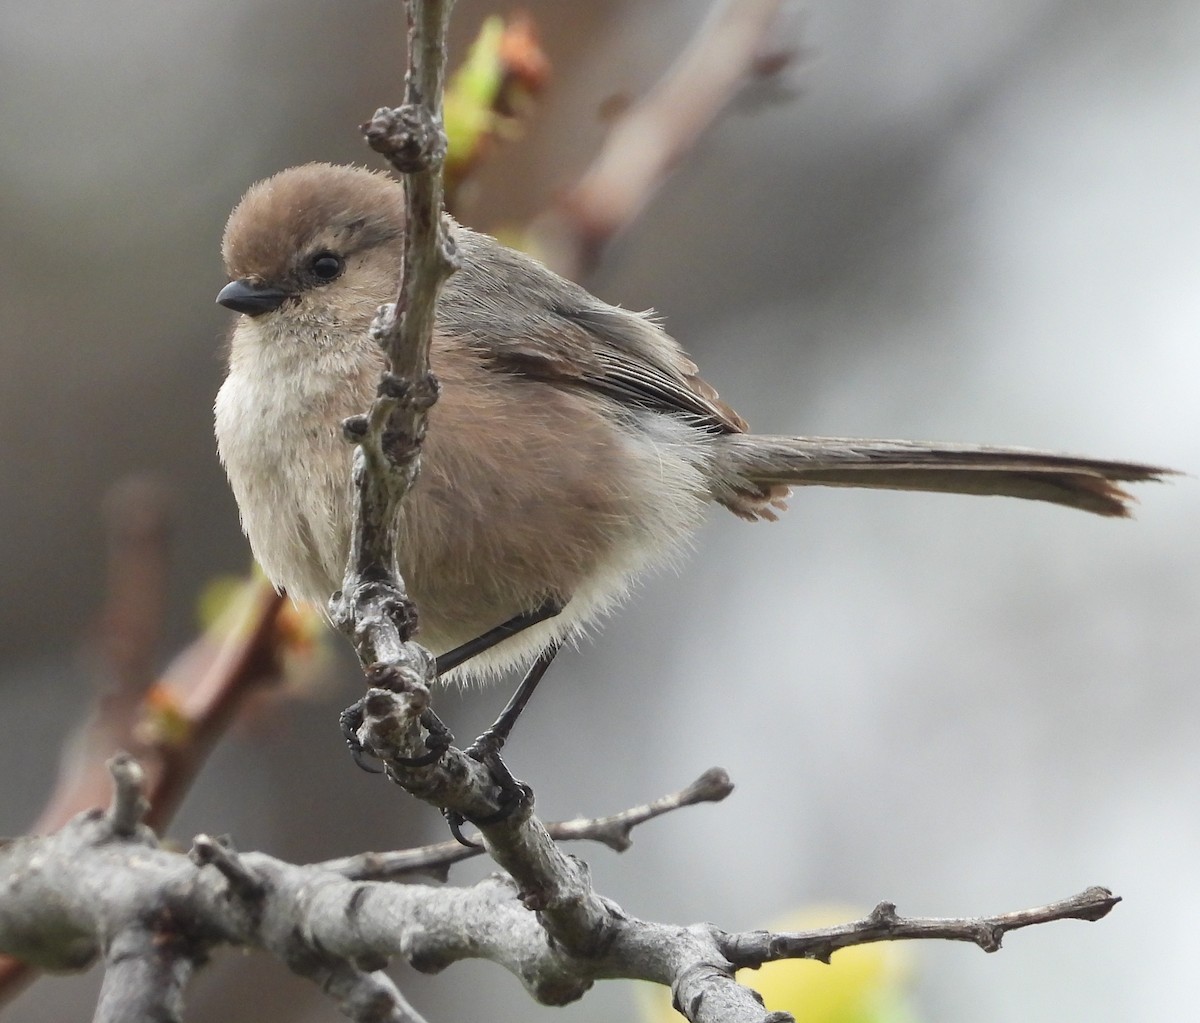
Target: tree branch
x=884 y=924
x=554 y=885
x=94 y=887
x=613 y=831
x=650 y=138
x=144 y=979
x=373 y=608
x=174 y=724
x=138 y=530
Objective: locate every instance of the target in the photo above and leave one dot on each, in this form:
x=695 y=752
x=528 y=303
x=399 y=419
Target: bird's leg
x=486 y=748
x=549 y=608
x=492 y=741
x=439 y=737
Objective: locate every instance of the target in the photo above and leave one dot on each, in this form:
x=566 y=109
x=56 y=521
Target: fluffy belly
x=526 y=492
x=484 y=542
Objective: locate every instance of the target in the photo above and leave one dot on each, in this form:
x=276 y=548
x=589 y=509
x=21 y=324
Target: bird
x=573 y=448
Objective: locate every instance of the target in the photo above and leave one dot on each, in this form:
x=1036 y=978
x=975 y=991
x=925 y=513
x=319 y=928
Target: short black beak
x=245 y=296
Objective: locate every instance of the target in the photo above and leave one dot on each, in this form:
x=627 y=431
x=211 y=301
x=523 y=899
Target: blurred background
x=972 y=222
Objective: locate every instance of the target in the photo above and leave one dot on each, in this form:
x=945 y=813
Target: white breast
x=278 y=426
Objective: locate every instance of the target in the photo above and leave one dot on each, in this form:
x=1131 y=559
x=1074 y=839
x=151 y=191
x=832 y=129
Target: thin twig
x=219 y=853
x=650 y=138
x=613 y=831
x=711 y=787
x=372 y=608
x=885 y=924
x=129 y=805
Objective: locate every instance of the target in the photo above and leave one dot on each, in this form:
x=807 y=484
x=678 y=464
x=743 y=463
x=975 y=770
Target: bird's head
x=318 y=245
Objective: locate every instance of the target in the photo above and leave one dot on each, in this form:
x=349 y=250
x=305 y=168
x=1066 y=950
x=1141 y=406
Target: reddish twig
x=171 y=727
x=651 y=137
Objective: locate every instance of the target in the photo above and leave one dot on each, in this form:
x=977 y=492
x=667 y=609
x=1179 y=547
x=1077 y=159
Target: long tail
x=770 y=464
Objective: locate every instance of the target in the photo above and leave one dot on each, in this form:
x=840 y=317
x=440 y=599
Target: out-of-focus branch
x=138 y=528
x=126 y=636
x=490 y=94
x=172 y=726
x=649 y=139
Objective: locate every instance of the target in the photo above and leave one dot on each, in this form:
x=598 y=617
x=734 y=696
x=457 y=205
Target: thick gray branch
x=145 y=974
x=154 y=914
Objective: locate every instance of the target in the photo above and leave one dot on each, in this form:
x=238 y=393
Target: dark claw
x=436 y=742
x=514 y=794
x=456 y=820
x=351 y=720
x=440 y=737
x=511 y=800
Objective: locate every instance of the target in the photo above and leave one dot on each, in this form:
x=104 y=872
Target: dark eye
x=325 y=266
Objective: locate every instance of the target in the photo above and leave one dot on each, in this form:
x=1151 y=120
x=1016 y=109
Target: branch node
x=397 y=677
x=393 y=386
x=383 y=323
x=129 y=804
x=390 y=727
x=220 y=853
x=1097 y=902
x=883 y=915
x=711 y=787
x=409 y=137
x=371 y=961
x=989 y=937
x=448 y=244
x=354 y=428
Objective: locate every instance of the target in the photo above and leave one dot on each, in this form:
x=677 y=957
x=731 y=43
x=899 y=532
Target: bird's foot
x=437 y=739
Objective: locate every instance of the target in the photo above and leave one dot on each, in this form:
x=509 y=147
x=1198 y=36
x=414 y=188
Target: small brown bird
x=574 y=445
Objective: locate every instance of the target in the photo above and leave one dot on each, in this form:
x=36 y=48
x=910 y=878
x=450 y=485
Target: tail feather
x=768 y=464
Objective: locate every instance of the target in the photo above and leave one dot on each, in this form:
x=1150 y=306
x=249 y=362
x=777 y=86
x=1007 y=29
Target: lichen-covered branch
x=102 y=886
x=372 y=607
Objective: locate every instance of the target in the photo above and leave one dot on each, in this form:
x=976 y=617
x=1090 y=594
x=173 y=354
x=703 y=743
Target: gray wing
x=526 y=320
